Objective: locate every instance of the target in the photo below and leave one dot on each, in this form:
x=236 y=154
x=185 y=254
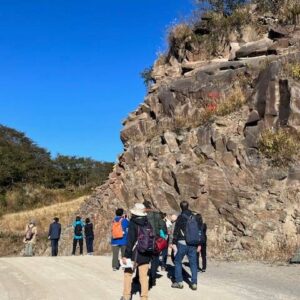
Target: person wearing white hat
x=142 y=260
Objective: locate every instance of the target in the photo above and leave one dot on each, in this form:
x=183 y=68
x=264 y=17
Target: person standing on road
x=164 y=253
x=54 y=235
x=203 y=246
x=159 y=227
x=119 y=233
x=78 y=226
x=30 y=238
x=186 y=241
x=89 y=236
x=137 y=234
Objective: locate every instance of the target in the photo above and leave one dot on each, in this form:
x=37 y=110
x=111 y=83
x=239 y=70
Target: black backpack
x=78 y=230
x=193 y=232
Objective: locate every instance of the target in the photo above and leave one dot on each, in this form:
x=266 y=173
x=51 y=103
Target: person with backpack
x=164 y=253
x=30 y=238
x=78 y=226
x=139 y=249
x=203 y=247
x=54 y=235
x=160 y=230
x=186 y=241
x=119 y=233
x=171 y=250
x=89 y=236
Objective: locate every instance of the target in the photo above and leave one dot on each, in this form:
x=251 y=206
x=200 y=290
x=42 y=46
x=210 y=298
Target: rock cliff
x=197 y=137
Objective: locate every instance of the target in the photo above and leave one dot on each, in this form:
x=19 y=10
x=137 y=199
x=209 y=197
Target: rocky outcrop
x=195 y=137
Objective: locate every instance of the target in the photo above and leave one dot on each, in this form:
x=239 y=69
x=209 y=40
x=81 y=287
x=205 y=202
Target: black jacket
x=89 y=230
x=54 y=231
x=180 y=226
x=132 y=236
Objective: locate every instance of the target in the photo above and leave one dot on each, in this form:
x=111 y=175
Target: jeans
x=54 y=247
x=191 y=252
x=115 y=258
x=75 y=245
x=89 y=240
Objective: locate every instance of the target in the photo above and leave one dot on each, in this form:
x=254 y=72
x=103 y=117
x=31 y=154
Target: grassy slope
x=12 y=225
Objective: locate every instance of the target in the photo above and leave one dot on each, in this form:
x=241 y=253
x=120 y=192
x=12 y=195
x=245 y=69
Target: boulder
x=294 y=113
x=170 y=138
x=278 y=32
x=256 y=48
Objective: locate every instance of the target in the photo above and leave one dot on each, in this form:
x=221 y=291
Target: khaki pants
x=143 y=275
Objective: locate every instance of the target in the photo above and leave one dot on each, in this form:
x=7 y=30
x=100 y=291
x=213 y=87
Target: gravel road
x=89 y=278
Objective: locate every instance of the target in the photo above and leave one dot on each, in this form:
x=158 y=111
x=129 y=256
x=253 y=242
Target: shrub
x=146 y=74
x=219 y=105
x=180 y=36
x=296 y=71
x=292 y=69
x=233 y=103
x=219 y=28
x=288 y=11
x=225 y=7
x=269 y=5
x=280 y=146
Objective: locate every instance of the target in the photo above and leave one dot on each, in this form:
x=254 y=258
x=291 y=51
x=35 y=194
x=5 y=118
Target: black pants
x=203 y=257
x=89 y=240
x=54 y=247
x=154 y=267
x=75 y=245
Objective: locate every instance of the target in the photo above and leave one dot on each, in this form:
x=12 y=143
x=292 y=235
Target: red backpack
x=160 y=244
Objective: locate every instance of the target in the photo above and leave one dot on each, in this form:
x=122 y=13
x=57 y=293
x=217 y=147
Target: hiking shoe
x=193 y=287
x=177 y=285
x=115 y=269
x=203 y=270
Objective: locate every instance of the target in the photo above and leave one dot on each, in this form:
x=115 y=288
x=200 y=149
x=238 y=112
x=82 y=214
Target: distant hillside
x=30 y=178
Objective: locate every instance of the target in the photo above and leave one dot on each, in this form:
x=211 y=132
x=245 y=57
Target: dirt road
x=91 y=278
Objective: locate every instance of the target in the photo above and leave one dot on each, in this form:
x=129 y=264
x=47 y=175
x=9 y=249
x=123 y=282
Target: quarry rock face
x=187 y=141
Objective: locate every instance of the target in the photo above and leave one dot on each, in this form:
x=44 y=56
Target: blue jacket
x=123 y=240
x=54 y=231
x=78 y=237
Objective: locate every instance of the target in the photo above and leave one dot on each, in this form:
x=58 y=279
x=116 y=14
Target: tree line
x=23 y=162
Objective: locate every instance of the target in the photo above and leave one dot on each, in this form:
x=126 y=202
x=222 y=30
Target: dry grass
x=12 y=225
x=15 y=223
x=296 y=71
x=291 y=12
x=291 y=69
x=280 y=146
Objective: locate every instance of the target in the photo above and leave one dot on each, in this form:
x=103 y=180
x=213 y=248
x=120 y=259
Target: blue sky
x=69 y=70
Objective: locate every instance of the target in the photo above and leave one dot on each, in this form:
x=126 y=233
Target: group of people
x=140 y=241
x=145 y=241
x=82 y=230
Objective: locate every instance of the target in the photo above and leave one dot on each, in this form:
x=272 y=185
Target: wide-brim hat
x=139 y=210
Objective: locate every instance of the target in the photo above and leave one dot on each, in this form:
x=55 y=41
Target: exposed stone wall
x=173 y=151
